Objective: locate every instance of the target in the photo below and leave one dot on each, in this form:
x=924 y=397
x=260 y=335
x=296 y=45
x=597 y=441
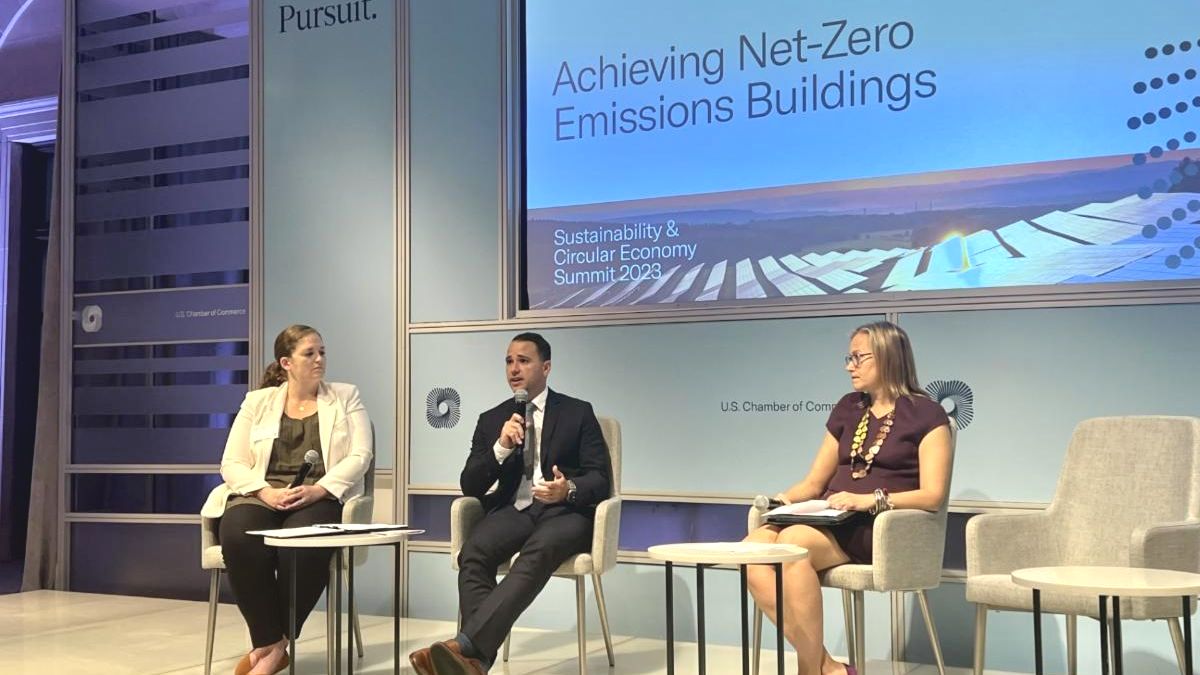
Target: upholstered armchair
x=1128 y=494
x=356 y=510
x=466 y=512
x=908 y=546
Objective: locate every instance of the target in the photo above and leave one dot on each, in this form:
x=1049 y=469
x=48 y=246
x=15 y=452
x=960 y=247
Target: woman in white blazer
x=294 y=411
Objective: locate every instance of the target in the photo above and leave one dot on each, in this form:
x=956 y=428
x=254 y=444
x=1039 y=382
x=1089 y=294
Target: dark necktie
x=530 y=441
x=524 y=497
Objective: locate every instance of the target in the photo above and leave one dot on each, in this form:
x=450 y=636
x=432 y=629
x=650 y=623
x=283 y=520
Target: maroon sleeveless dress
x=896 y=466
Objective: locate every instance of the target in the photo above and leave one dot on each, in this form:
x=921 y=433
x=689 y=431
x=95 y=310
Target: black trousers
x=261 y=577
x=545 y=535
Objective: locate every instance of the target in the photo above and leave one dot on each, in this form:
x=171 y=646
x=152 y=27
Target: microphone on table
x=765 y=503
x=310 y=458
x=520 y=402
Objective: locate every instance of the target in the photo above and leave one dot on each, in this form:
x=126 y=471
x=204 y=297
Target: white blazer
x=346 y=444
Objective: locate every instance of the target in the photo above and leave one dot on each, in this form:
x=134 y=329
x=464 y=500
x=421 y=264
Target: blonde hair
x=285 y=344
x=894 y=359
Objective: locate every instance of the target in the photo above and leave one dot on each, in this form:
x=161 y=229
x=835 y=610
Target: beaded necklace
x=860 y=435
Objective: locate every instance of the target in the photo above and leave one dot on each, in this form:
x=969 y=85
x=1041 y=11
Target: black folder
x=810 y=519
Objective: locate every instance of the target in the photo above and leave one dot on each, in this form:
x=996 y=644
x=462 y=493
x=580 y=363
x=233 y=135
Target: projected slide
x=690 y=151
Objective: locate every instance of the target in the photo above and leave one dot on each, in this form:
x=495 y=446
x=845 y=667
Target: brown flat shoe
x=282 y=665
x=242 y=666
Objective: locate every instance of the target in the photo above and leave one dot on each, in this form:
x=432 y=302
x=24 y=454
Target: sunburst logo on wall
x=956 y=398
x=443 y=407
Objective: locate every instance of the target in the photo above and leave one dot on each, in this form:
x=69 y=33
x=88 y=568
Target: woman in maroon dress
x=886 y=446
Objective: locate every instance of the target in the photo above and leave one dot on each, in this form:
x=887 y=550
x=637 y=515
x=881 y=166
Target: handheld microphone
x=520 y=401
x=310 y=458
x=765 y=503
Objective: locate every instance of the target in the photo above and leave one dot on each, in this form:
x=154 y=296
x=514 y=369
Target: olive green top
x=296 y=437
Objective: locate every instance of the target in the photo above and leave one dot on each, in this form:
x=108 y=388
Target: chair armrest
x=755 y=519
x=209 y=533
x=1168 y=546
x=209 y=527
x=606 y=534
x=359 y=510
x=465 y=514
x=1000 y=543
x=908 y=548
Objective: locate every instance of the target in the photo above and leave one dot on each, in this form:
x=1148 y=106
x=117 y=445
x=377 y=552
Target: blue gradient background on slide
x=1013 y=161
x=1021 y=81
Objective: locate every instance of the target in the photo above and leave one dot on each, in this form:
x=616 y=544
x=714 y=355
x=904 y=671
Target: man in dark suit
x=550 y=467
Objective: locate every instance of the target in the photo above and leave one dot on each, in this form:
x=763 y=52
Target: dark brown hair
x=543 y=347
x=285 y=344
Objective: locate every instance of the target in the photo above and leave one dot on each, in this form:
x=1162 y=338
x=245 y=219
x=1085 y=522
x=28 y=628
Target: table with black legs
x=1109 y=585
x=343 y=545
x=739 y=554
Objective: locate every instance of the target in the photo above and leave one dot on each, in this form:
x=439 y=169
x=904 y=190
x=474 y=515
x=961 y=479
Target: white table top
x=728 y=553
x=343 y=540
x=1121 y=581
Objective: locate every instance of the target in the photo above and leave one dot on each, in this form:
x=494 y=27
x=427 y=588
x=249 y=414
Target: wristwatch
x=572 y=492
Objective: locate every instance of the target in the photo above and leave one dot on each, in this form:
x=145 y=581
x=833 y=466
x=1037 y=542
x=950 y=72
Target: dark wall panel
x=159 y=561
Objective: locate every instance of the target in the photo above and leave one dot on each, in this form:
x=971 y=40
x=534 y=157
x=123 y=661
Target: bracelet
x=883 y=501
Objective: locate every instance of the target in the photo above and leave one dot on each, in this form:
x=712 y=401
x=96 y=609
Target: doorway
x=27 y=203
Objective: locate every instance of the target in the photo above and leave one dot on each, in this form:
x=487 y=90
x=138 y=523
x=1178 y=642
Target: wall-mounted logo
x=91 y=319
x=323 y=16
x=956 y=398
x=443 y=407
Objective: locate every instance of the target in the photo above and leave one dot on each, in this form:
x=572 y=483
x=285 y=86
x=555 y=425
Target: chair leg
x=214 y=592
x=581 y=626
x=860 y=635
x=329 y=651
x=603 y=610
x=899 y=632
x=756 y=641
x=932 y=630
x=358 y=633
x=980 y=637
x=1177 y=640
x=1072 y=645
x=848 y=618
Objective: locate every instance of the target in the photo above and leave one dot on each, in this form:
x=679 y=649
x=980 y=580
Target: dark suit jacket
x=571 y=439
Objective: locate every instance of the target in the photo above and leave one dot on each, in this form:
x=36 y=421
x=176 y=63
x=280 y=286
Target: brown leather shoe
x=422 y=661
x=453 y=646
x=449 y=660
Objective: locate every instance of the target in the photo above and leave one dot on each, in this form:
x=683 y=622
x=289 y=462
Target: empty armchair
x=1128 y=494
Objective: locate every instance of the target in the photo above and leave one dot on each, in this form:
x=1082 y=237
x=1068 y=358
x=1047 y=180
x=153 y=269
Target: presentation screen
x=694 y=151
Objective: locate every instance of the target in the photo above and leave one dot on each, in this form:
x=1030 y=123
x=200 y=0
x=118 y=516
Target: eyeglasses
x=857 y=358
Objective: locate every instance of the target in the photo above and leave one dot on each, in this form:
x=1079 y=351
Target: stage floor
x=50 y=632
